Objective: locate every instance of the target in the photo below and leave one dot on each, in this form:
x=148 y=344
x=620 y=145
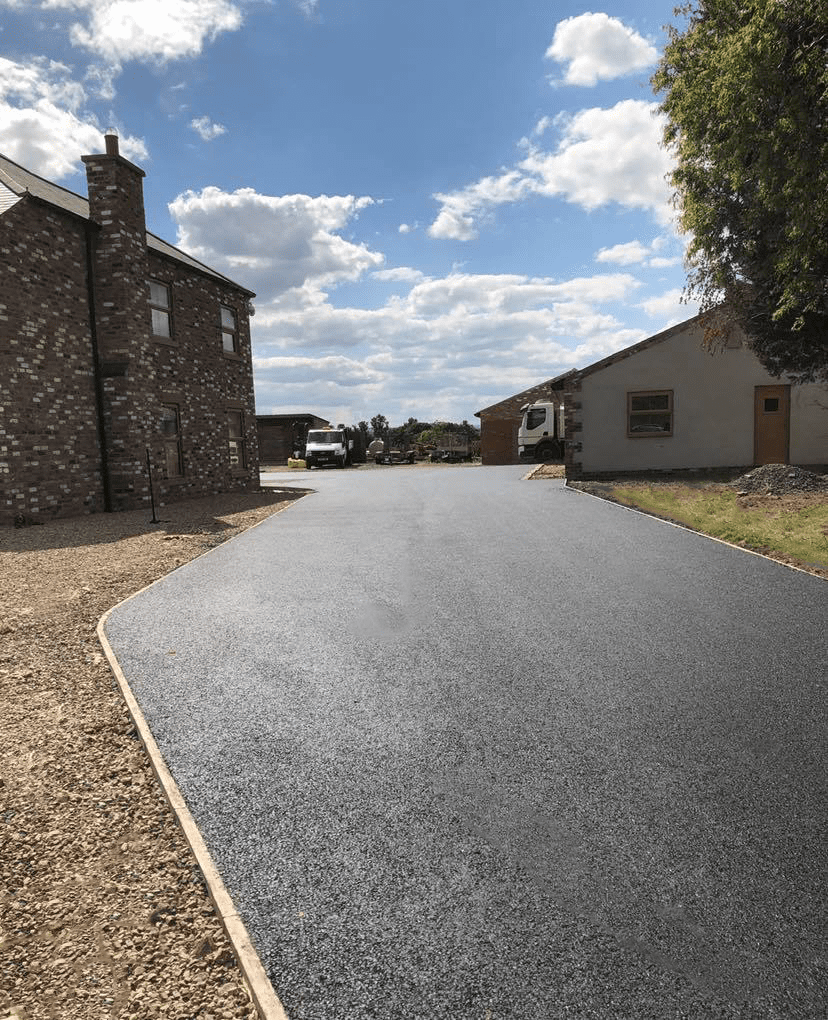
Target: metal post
x=152 y=494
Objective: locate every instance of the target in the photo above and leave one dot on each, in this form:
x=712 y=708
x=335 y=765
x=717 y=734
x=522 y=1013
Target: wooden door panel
x=771 y=424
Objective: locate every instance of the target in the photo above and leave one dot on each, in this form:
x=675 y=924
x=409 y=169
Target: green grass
x=799 y=534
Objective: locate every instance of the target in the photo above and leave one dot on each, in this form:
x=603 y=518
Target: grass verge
x=795 y=530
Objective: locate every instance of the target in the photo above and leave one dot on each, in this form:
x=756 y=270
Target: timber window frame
x=649 y=414
x=229 y=330
x=171 y=431
x=236 y=444
x=160 y=302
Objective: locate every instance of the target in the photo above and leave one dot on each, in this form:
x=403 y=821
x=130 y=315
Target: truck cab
x=541 y=432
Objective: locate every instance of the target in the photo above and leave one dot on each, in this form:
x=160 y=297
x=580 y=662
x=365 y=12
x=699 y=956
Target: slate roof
x=512 y=406
x=16 y=182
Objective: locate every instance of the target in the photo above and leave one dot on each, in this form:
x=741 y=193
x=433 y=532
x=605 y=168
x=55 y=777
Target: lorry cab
x=541 y=432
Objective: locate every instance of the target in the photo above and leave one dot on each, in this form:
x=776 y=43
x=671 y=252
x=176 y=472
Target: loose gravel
x=780 y=478
x=103 y=912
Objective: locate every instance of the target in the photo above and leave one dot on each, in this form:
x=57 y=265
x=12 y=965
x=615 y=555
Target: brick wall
x=192 y=372
x=49 y=454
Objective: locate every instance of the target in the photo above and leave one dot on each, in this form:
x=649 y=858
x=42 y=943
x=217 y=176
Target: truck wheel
x=544 y=452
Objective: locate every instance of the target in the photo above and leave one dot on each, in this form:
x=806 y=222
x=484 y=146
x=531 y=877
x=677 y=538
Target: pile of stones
x=779 y=478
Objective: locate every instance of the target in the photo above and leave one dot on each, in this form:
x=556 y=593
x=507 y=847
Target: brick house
x=117 y=351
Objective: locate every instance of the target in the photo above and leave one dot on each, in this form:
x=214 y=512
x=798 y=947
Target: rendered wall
x=713 y=411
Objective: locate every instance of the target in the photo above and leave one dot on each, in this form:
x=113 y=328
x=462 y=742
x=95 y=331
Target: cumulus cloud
x=607 y=155
x=43 y=124
x=596 y=47
x=284 y=246
x=206 y=129
x=121 y=30
x=636 y=253
x=603 y=156
x=461 y=209
x=460 y=341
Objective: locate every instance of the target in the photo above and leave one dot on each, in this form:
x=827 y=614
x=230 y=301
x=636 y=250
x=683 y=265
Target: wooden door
x=771 y=424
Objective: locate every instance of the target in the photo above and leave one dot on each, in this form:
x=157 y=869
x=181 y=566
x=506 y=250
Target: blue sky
x=438 y=202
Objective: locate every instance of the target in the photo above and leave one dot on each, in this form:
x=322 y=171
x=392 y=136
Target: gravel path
x=452 y=768
x=102 y=911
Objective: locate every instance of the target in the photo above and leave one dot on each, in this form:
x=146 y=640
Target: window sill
x=232 y=355
x=165 y=341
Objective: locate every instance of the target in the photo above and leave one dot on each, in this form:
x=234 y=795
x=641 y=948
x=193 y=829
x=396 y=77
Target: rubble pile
x=780 y=478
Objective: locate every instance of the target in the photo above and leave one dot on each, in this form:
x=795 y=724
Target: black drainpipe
x=96 y=372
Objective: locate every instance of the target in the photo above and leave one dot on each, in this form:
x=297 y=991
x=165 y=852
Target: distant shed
x=281 y=435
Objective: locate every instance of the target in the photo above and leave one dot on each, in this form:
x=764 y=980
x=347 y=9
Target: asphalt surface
x=471 y=747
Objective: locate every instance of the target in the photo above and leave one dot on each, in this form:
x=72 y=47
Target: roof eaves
x=642 y=345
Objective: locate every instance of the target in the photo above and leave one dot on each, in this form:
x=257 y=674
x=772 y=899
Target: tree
x=379 y=426
x=746 y=99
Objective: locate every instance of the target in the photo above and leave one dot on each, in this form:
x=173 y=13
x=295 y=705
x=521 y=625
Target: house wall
x=194 y=373
x=49 y=453
x=51 y=457
x=713 y=411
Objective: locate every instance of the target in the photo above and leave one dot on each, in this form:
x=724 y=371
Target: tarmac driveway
x=466 y=746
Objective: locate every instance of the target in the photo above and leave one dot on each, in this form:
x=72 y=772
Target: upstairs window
x=650 y=414
x=229 y=330
x=171 y=431
x=235 y=431
x=161 y=308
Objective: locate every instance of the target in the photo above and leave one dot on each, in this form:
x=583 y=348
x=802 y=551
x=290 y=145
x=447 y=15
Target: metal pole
x=152 y=494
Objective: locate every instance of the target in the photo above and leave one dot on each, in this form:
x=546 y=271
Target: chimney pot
x=111 y=141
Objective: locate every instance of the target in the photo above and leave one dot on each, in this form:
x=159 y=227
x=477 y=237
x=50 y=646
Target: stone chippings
x=103 y=912
x=781 y=478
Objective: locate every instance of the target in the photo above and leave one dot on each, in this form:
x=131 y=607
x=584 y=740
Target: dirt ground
x=102 y=910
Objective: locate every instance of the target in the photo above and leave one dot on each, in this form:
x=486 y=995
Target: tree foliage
x=745 y=93
x=379 y=426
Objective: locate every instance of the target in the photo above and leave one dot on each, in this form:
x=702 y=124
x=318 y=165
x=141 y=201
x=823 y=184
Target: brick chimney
x=119 y=267
x=116 y=209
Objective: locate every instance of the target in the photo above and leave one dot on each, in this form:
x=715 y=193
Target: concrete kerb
x=692 y=531
x=258 y=984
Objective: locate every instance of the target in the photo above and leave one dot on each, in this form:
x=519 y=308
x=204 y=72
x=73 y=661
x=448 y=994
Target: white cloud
x=308 y=7
x=636 y=253
x=43 y=125
x=460 y=342
x=669 y=306
x=121 y=30
x=629 y=254
x=285 y=247
x=206 y=129
x=596 y=46
x=456 y=220
x=603 y=156
x=607 y=155
x=405 y=228
x=402 y=274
